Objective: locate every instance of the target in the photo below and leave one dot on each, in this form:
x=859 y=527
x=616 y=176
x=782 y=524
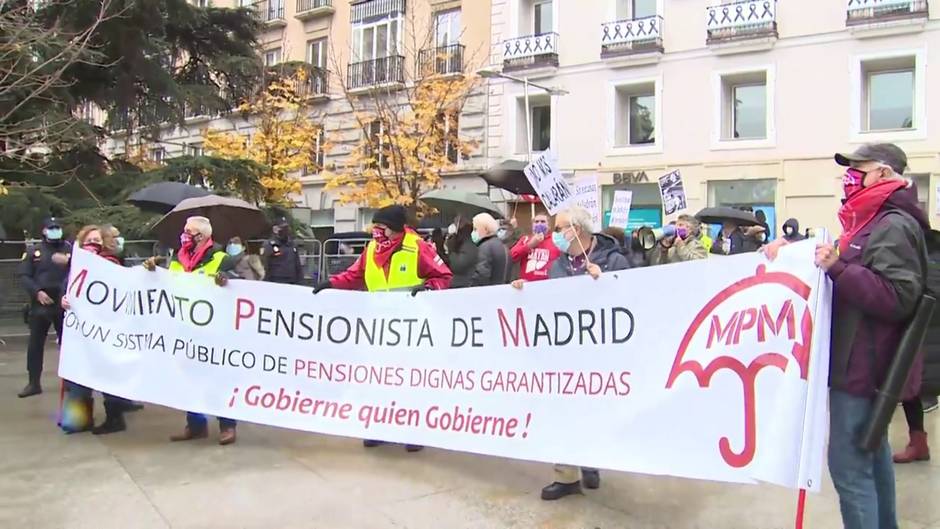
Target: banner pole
x=800 y=509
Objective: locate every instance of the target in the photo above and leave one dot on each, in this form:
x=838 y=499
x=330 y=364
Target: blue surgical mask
x=54 y=234
x=561 y=242
x=119 y=243
x=475 y=237
x=501 y=234
x=234 y=249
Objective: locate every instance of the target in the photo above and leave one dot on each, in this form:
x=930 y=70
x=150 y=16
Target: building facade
x=362 y=45
x=748 y=99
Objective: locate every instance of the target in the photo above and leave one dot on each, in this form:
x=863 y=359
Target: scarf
x=385 y=248
x=861 y=208
x=191 y=255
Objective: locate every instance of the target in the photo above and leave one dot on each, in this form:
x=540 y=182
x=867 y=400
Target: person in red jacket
x=535 y=253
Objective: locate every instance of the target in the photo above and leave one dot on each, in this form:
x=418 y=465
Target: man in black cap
x=42 y=278
x=280 y=256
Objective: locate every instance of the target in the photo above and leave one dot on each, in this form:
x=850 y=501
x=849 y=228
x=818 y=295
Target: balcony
x=744 y=22
x=317 y=84
x=530 y=52
x=885 y=17
x=271 y=14
x=443 y=60
x=638 y=40
x=386 y=71
x=310 y=9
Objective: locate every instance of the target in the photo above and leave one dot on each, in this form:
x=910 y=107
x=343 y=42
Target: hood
x=906 y=200
x=793 y=223
x=606 y=245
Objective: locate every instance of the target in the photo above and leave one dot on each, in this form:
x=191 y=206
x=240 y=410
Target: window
x=889 y=94
x=195 y=150
x=319 y=155
x=922 y=182
x=157 y=155
x=635 y=108
x=451 y=129
x=744 y=102
x=376 y=40
x=376 y=136
x=316 y=53
x=540 y=121
x=201 y=3
x=757 y=195
x=634 y=9
x=272 y=57
x=543 y=17
x=447 y=28
x=541 y=127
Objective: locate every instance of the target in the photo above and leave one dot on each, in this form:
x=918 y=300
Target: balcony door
x=542 y=17
x=375 y=40
x=447 y=28
x=634 y=9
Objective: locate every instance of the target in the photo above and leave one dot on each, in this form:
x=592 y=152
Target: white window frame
x=448 y=15
x=535 y=4
x=612 y=95
x=448 y=147
x=197 y=3
x=191 y=149
x=612 y=10
x=516 y=100
x=279 y=56
x=324 y=50
x=515 y=20
x=157 y=154
x=718 y=141
x=858 y=76
x=360 y=27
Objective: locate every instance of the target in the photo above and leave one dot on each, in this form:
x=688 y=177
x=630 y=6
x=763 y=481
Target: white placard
x=672 y=192
x=548 y=182
x=587 y=195
x=620 y=211
x=714 y=381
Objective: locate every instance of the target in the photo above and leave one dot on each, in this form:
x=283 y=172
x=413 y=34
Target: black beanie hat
x=391 y=216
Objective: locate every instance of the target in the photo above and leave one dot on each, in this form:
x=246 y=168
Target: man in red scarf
x=396 y=259
x=879 y=274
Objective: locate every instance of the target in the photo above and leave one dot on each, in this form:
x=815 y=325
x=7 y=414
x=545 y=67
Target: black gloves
x=419 y=288
x=322 y=285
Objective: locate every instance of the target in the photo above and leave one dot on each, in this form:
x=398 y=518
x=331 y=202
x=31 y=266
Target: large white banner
x=653 y=370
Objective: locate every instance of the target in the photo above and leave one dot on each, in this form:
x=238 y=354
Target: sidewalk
x=277 y=478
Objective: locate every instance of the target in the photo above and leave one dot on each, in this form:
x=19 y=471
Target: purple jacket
x=878 y=282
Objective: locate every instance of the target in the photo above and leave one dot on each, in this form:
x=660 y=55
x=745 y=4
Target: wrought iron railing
x=626 y=36
x=865 y=11
x=443 y=60
x=318 y=82
x=741 y=18
x=309 y=5
x=271 y=11
x=376 y=8
x=385 y=70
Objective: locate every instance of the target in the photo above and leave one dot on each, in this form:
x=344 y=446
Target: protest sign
x=723 y=379
x=620 y=211
x=586 y=195
x=672 y=192
x=548 y=182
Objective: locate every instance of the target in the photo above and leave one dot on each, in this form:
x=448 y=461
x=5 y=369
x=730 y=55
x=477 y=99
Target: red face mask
x=92 y=247
x=379 y=235
x=852 y=181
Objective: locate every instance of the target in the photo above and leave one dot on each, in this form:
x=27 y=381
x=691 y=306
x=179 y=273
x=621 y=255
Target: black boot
x=33 y=388
x=131 y=406
x=413 y=448
x=560 y=490
x=372 y=443
x=113 y=421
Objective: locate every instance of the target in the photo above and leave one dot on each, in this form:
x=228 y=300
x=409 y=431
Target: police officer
x=43 y=277
x=280 y=256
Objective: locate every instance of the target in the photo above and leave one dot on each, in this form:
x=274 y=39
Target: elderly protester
x=492 y=256
x=685 y=245
x=583 y=253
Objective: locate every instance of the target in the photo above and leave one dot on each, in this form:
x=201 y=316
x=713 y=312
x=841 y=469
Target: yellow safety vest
x=210 y=268
x=402 y=271
x=707 y=242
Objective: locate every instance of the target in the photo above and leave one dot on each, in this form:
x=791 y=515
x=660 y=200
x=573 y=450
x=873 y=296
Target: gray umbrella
x=229 y=217
x=461 y=202
x=164 y=196
x=719 y=215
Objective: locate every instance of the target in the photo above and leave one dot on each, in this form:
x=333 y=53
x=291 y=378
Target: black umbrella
x=508 y=175
x=721 y=214
x=164 y=196
x=229 y=217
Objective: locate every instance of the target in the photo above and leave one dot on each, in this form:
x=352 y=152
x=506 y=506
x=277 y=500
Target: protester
x=395 y=259
x=246 y=266
x=762 y=235
x=915 y=407
x=463 y=254
x=791 y=231
x=535 y=253
x=705 y=238
x=732 y=240
x=878 y=273
x=513 y=234
x=685 y=245
x=42 y=278
x=198 y=254
x=583 y=253
x=78 y=407
x=437 y=239
x=492 y=256
x=281 y=258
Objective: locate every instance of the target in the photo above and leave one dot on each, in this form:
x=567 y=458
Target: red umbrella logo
x=745 y=336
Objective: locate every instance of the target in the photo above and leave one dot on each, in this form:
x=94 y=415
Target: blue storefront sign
x=640 y=217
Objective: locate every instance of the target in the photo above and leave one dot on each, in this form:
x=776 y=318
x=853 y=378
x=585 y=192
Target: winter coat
x=463 y=261
x=431 y=269
x=739 y=244
x=492 y=263
x=249 y=267
x=795 y=224
x=534 y=263
x=878 y=282
x=692 y=250
x=606 y=254
x=930 y=385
